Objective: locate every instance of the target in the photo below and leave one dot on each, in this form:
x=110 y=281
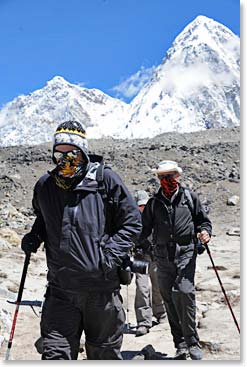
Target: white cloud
x=187 y=80
x=131 y=86
x=81 y=84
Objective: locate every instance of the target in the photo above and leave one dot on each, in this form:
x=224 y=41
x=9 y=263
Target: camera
x=136 y=266
x=129 y=267
x=139 y=266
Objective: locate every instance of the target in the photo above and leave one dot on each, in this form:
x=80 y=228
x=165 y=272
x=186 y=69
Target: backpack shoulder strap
x=100 y=180
x=102 y=189
x=188 y=196
x=152 y=199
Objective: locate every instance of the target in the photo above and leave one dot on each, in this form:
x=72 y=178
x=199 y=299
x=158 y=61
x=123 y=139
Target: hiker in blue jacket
x=177 y=220
x=87 y=226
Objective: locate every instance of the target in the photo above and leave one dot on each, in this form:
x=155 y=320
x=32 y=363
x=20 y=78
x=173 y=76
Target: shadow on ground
x=147 y=353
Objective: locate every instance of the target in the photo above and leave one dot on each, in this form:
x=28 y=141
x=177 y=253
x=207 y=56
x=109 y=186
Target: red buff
x=169 y=186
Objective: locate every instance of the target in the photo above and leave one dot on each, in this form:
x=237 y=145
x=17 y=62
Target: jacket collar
x=159 y=195
x=89 y=182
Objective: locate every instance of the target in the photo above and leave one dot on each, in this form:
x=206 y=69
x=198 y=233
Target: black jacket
x=173 y=221
x=83 y=251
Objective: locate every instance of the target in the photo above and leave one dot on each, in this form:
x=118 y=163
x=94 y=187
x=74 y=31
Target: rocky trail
x=210 y=161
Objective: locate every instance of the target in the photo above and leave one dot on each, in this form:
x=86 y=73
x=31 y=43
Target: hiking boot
x=162 y=319
x=195 y=352
x=181 y=353
x=142 y=330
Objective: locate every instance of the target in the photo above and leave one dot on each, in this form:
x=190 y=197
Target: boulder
x=10 y=235
x=4 y=245
x=233 y=200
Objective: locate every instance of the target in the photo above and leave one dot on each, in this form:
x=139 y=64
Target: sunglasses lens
x=72 y=154
x=58 y=155
x=167 y=177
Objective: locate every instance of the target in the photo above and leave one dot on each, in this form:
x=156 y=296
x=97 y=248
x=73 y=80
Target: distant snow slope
x=32 y=119
x=196 y=87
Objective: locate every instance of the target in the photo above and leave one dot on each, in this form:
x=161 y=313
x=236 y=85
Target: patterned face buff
x=169 y=184
x=70 y=163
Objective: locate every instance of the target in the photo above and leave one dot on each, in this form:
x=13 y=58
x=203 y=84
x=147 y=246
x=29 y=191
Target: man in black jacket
x=87 y=234
x=177 y=220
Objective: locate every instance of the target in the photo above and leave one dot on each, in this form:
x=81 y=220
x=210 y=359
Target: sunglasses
x=72 y=154
x=167 y=176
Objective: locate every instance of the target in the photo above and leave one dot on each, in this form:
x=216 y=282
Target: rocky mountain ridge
x=208 y=158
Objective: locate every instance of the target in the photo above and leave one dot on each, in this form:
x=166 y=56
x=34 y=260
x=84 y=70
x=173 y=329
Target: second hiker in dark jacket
x=87 y=231
x=176 y=219
x=148 y=300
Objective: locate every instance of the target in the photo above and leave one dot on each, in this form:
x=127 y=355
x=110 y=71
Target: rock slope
x=210 y=161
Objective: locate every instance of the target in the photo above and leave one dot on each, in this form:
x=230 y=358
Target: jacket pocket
x=186 y=250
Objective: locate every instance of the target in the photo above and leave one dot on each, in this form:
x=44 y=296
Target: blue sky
x=111 y=45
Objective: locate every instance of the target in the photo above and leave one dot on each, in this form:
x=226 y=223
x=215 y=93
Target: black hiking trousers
x=66 y=315
x=176 y=282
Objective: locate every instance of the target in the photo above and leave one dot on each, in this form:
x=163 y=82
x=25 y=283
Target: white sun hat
x=141 y=197
x=167 y=166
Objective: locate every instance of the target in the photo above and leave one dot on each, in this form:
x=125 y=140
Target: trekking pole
x=223 y=290
x=18 y=302
x=127 y=308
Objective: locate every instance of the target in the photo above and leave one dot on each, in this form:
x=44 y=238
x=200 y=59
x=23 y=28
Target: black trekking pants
x=66 y=315
x=176 y=282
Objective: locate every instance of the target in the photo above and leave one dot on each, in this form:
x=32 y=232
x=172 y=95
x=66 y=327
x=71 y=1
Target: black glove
x=124 y=272
x=138 y=253
x=200 y=247
x=145 y=245
x=108 y=262
x=30 y=242
x=126 y=264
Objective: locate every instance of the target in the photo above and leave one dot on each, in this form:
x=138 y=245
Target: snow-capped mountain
x=197 y=86
x=32 y=119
